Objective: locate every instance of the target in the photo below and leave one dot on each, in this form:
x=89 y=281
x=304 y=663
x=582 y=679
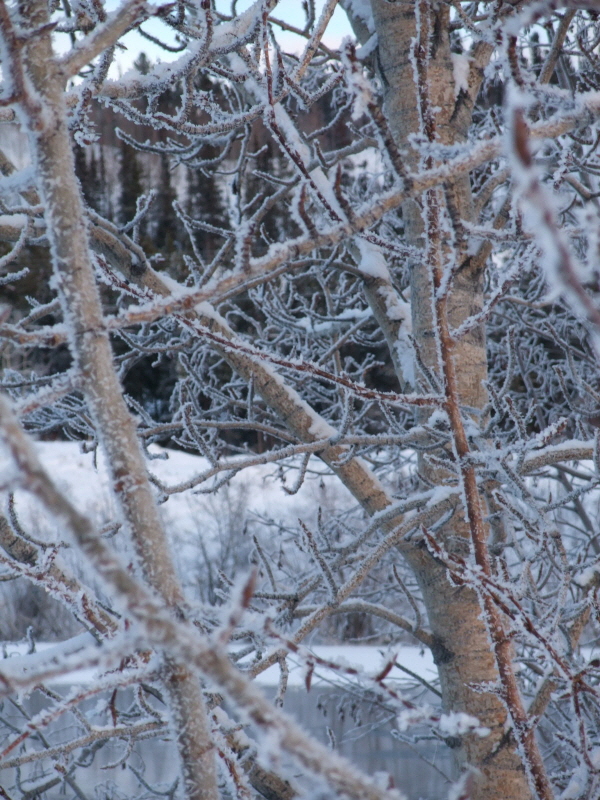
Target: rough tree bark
x=52 y=155
x=414 y=59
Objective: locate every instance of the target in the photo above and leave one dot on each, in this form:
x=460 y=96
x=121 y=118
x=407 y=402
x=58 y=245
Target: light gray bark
x=67 y=232
x=465 y=659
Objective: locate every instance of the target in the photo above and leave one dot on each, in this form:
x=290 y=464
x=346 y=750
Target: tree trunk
x=90 y=346
x=464 y=654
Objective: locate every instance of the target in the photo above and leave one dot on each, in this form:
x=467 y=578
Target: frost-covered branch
x=162 y=630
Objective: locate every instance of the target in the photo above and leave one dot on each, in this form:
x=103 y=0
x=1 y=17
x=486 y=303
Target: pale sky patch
x=289 y=11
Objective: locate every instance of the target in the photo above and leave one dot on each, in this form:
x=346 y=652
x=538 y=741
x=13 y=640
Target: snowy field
x=255 y=493
x=203 y=528
x=194 y=519
x=334 y=707
x=366 y=660
x=84 y=478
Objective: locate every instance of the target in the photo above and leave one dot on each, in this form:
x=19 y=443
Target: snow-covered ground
x=200 y=526
x=335 y=701
x=191 y=518
x=67 y=463
x=368 y=661
x=257 y=491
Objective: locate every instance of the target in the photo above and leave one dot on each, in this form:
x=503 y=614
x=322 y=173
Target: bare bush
x=415 y=307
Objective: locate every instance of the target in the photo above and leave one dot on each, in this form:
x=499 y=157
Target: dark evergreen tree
x=106 y=203
x=265 y=162
x=166 y=234
x=142 y=64
x=92 y=186
x=130 y=182
x=205 y=204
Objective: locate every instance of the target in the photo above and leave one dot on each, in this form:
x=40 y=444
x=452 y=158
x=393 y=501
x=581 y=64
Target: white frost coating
x=414 y=716
x=368 y=48
x=460 y=788
x=457 y=723
x=11 y=185
x=290 y=134
x=565 y=273
x=205 y=309
x=325 y=188
x=460 y=68
x=227 y=33
x=406 y=356
x=52 y=656
x=357 y=83
x=13 y=220
x=225 y=722
x=441 y=493
x=397 y=309
x=176 y=289
x=554 y=451
x=293 y=138
x=439 y=417
x=321 y=429
x=587 y=576
x=347 y=317
x=372 y=261
x=224 y=39
x=361 y=9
